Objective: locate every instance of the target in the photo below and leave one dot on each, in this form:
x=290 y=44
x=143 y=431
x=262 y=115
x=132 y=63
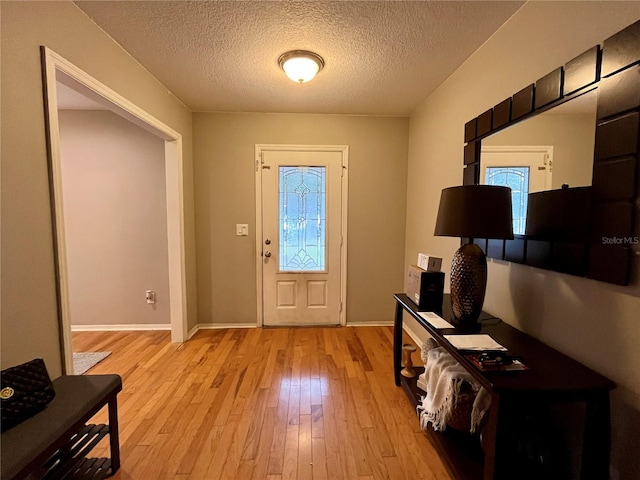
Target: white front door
x=525 y=169
x=302 y=220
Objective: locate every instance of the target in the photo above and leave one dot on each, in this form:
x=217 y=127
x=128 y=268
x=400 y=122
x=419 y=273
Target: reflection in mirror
x=543 y=152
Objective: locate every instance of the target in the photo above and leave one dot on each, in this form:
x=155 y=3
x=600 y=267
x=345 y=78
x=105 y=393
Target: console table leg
x=596 y=448
x=397 y=343
x=492 y=436
x=114 y=436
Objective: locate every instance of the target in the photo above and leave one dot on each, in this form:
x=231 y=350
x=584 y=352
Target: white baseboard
x=192 y=332
x=127 y=327
x=218 y=326
x=215 y=326
x=371 y=324
x=210 y=326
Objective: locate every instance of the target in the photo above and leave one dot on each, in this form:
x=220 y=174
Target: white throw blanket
x=444 y=377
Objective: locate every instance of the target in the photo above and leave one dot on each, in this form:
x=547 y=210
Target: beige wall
x=115 y=219
x=595 y=323
x=29 y=312
x=225 y=195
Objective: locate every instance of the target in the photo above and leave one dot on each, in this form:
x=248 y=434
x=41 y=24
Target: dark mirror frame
x=605 y=252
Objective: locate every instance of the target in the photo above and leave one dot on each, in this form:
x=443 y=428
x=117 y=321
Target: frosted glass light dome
x=301 y=65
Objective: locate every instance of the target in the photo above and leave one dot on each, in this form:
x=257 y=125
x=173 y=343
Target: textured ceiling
x=381 y=58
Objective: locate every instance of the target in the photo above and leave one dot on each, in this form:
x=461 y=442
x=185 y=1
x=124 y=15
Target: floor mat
x=85 y=360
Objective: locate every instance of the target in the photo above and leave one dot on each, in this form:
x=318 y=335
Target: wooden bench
x=54 y=443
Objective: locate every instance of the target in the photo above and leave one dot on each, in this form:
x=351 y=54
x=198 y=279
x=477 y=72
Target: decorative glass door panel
x=302 y=218
x=524 y=168
x=516 y=178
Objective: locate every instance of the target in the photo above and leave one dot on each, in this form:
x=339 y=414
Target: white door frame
x=56 y=68
x=344 y=150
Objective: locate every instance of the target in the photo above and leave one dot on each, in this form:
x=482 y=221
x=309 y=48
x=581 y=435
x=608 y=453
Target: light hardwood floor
x=285 y=403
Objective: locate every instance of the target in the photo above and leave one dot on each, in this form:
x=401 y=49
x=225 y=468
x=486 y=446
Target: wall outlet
x=150 y=296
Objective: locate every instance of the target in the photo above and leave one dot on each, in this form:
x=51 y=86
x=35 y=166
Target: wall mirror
x=542 y=153
x=568 y=145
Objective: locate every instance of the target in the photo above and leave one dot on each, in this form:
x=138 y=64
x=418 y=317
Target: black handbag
x=26 y=389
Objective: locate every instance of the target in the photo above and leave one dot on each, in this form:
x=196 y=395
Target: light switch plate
x=242 y=229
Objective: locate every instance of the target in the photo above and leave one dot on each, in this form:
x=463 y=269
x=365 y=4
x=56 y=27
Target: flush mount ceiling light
x=301 y=65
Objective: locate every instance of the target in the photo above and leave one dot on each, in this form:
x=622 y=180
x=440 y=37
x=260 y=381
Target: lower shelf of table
x=91 y=468
x=460 y=451
x=71 y=462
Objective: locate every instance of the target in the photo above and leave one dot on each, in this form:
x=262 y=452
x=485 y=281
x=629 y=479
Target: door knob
x=267 y=242
x=267 y=254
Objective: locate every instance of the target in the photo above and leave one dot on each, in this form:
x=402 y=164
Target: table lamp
x=472 y=211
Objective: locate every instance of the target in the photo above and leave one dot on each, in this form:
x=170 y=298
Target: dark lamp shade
x=475 y=211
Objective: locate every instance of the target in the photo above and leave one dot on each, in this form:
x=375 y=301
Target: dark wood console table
x=552 y=378
x=54 y=443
